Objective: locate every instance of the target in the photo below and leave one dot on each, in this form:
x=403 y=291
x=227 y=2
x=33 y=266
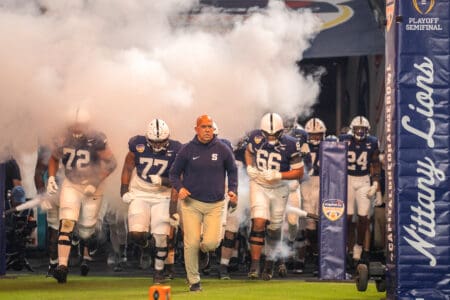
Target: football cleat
x=203 y=260
x=84 y=268
x=282 y=270
x=158 y=277
x=51 y=270
x=267 y=273
x=60 y=273
x=223 y=272
x=196 y=287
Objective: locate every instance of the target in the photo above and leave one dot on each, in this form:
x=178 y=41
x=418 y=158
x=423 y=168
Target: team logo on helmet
x=423 y=7
x=333 y=209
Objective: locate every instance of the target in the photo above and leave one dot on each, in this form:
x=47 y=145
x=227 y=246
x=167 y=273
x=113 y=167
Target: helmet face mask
x=272 y=139
x=272 y=127
x=80 y=119
x=158 y=135
x=316 y=131
x=315 y=138
x=360 y=127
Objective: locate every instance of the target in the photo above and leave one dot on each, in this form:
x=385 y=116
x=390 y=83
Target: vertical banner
x=2 y=220
x=333 y=216
x=417 y=125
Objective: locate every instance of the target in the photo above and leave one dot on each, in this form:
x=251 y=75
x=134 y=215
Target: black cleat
x=84 y=268
x=267 y=273
x=196 y=287
x=223 y=273
x=282 y=270
x=60 y=273
x=158 y=277
x=51 y=270
x=169 y=271
x=203 y=260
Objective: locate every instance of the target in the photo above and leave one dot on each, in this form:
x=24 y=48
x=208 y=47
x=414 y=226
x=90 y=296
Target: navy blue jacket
x=202 y=169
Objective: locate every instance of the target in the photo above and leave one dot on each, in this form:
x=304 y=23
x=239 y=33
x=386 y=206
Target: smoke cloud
x=128 y=62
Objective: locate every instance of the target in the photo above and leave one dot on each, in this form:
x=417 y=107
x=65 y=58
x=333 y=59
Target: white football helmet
x=316 y=130
x=79 y=119
x=158 y=135
x=360 y=127
x=216 y=129
x=272 y=127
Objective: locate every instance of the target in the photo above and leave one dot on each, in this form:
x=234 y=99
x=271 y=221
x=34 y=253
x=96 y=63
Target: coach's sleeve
x=177 y=168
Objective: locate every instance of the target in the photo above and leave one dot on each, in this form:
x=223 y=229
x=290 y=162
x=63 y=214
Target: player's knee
x=86 y=232
x=66 y=228
x=229 y=239
x=274 y=235
x=139 y=238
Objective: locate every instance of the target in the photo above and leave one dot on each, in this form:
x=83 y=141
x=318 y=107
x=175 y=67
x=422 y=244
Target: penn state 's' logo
x=423 y=7
x=333 y=209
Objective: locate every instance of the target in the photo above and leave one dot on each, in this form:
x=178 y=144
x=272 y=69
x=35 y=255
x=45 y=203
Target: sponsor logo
x=423 y=7
x=214 y=156
x=333 y=209
x=196 y=157
x=140 y=148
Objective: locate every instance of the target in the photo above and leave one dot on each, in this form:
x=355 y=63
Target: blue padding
x=417 y=146
x=333 y=199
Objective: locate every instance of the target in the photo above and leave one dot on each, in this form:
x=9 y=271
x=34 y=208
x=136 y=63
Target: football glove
x=89 y=190
x=252 y=172
x=52 y=186
x=174 y=220
x=127 y=197
x=272 y=175
x=372 y=190
x=156 y=179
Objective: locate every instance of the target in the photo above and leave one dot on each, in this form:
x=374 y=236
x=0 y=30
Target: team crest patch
x=333 y=209
x=258 y=139
x=140 y=148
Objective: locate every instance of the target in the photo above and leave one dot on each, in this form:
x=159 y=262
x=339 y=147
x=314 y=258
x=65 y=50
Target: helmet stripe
x=271 y=123
x=157 y=128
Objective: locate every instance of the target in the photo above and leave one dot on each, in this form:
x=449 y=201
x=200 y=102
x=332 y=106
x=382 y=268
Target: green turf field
x=94 y=288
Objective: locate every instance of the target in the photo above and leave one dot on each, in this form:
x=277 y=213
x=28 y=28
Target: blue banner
x=2 y=221
x=418 y=142
x=333 y=216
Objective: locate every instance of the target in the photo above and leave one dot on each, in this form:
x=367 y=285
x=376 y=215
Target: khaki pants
x=198 y=216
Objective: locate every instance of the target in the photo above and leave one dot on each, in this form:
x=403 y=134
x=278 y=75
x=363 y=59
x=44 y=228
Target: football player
x=87 y=161
x=310 y=189
x=272 y=160
x=232 y=219
x=145 y=186
x=363 y=167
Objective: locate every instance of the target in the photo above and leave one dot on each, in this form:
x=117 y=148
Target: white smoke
x=128 y=63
